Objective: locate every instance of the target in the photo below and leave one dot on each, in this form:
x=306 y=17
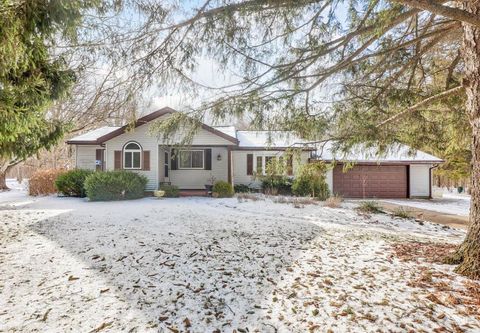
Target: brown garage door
x=371 y=181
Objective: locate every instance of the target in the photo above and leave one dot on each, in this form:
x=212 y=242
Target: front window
x=131 y=156
x=191 y=159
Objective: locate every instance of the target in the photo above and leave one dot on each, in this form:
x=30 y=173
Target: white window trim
x=263 y=162
x=132 y=151
x=191 y=150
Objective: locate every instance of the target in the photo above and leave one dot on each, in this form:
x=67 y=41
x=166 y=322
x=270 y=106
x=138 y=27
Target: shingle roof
x=93 y=135
x=395 y=153
x=270 y=139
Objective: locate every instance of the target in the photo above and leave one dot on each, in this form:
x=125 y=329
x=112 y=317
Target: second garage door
x=371 y=181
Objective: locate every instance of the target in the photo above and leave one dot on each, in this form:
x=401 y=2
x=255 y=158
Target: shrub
x=223 y=189
x=369 y=207
x=402 y=212
x=311 y=182
x=334 y=202
x=276 y=184
x=43 y=182
x=71 y=183
x=115 y=185
x=171 y=191
x=241 y=188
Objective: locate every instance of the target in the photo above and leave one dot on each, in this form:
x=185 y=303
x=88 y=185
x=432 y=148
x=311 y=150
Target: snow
x=95 y=134
x=360 y=153
x=154 y=265
x=228 y=130
x=449 y=203
x=271 y=139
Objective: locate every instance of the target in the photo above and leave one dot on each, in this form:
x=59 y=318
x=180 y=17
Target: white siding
x=240 y=164
x=85 y=157
x=329 y=178
x=148 y=142
x=420 y=180
x=196 y=179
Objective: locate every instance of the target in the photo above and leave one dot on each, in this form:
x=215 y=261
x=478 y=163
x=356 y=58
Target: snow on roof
x=395 y=153
x=95 y=134
x=228 y=130
x=270 y=139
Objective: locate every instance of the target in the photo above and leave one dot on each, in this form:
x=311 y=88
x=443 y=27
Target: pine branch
x=421 y=104
x=438 y=9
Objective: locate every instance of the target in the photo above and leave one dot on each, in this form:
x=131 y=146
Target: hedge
x=115 y=185
x=71 y=183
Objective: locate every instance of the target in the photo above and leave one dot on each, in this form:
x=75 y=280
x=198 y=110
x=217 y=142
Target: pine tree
x=304 y=64
x=32 y=76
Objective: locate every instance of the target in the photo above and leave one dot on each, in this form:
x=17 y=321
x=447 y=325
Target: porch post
x=229 y=159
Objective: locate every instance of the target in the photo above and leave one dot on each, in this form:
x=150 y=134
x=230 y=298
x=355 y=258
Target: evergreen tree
x=366 y=65
x=32 y=76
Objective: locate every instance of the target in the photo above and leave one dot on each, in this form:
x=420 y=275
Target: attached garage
x=397 y=173
x=371 y=181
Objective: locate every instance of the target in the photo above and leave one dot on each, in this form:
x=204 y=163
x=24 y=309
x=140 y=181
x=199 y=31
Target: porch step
x=193 y=193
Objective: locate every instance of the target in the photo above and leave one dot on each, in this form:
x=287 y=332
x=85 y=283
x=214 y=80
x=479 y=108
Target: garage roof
x=359 y=154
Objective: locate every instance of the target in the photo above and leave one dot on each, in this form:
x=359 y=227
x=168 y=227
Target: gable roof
x=92 y=136
x=395 y=153
x=271 y=140
x=97 y=137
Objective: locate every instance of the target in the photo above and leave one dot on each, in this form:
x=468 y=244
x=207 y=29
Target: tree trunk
x=3 y=183
x=468 y=255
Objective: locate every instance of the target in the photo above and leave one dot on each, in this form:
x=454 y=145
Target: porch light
x=219 y=157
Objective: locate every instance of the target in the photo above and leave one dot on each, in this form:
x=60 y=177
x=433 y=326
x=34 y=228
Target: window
x=132 y=155
x=191 y=159
x=262 y=163
x=259 y=165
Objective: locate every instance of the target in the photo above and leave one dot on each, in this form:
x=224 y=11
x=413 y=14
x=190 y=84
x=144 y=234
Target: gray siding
x=85 y=157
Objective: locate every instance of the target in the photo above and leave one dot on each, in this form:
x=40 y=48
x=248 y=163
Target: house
x=224 y=153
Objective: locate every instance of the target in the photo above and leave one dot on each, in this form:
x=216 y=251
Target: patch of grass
x=370 y=206
x=402 y=213
x=241 y=197
x=334 y=201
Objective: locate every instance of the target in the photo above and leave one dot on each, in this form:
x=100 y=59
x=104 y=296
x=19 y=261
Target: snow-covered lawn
x=218 y=265
x=449 y=203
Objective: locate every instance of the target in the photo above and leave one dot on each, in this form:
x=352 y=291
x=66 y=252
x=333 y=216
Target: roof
x=395 y=153
x=270 y=139
x=93 y=136
x=108 y=135
x=229 y=130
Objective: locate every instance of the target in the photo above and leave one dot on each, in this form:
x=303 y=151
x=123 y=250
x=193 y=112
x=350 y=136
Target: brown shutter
x=118 y=160
x=98 y=157
x=249 y=164
x=174 y=163
x=146 y=160
x=208 y=159
x=290 y=165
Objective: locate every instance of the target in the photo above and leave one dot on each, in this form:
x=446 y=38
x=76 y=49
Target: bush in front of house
x=71 y=183
x=311 y=182
x=241 y=188
x=115 y=185
x=43 y=182
x=171 y=191
x=276 y=184
x=222 y=189
x=369 y=207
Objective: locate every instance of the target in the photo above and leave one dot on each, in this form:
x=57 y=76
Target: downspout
x=430 y=179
